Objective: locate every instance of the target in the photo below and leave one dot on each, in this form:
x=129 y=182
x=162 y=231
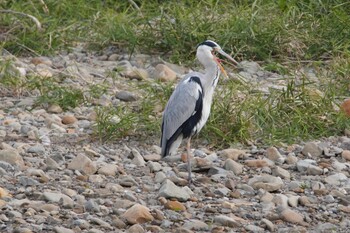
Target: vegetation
x=281 y=35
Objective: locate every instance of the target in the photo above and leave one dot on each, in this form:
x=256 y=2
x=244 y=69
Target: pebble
x=12 y=157
x=292 y=216
x=336 y=179
x=231 y=153
x=268 y=224
x=346 y=155
x=137 y=214
x=69 y=119
x=108 y=170
x=226 y=221
x=273 y=154
x=67 y=202
x=302 y=165
x=55 y=177
x=266 y=182
x=232 y=165
x=138 y=159
x=83 y=163
x=311 y=148
x=164 y=73
x=170 y=190
x=54 y=108
x=283 y=173
x=256 y=163
x=126 y=96
x=62 y=230
x=196 y=225
x=37 y=149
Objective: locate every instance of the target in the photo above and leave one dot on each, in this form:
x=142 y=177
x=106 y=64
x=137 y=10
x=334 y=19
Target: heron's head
x=207 y=52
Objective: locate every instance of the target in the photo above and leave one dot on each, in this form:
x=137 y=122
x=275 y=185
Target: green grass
x=281 y=35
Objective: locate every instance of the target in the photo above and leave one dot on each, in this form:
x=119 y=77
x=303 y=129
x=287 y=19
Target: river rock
x=137 y=214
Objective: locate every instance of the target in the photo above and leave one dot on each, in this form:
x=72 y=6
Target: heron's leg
x=188 y=148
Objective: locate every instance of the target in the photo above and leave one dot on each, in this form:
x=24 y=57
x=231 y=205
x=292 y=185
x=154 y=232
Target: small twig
x=35 y=20
x=45 y=8
x=134 y=4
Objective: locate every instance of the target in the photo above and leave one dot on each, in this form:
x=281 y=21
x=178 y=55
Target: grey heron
x=189 y=106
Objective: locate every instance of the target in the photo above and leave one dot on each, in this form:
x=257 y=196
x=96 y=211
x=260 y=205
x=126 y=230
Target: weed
x=114 y=123
x=52 y=93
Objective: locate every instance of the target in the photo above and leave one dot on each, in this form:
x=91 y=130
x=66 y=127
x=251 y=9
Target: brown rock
x=4 y=193
x=152 y=157
x=273 y=154
x=304 y=200
x=164 y=73
x=137 y=228
x=12 y=156
x=69 y=119
x=345 y=209
x=292 y=216
x=346 y=155
x=231 y=153
x=203 y=163
x=154 y=228
x=2 y=203
x=41 y=60
x=54 y=108
x=256 y=163
x=83 y=163
x=345 y=106
x=175 y=205
x=108 y=170
x=136 y=73
x=137 y=214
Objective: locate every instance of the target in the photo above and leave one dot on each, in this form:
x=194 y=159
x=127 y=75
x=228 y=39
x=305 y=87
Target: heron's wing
x=184 y=103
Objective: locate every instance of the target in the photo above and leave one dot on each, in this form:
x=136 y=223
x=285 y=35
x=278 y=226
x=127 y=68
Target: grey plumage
x=189 y=106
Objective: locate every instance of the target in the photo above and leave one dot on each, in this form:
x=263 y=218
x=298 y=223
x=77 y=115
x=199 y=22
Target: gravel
x=53 y=178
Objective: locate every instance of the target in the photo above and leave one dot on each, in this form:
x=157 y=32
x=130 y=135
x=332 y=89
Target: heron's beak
x=235 y=63
x=222 y=52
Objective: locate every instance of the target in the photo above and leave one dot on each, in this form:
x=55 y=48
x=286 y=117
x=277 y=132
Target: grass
x=283 y=36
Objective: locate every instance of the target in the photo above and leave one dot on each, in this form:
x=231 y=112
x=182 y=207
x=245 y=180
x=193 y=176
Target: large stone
x=69 y=119
x=283 y=173
x=170 y=190
x=58 y=229
x=196 y=225
x=126 y=96
x=232 y=165
x=138 y=159
x=226 y=221
x=37 y=149
x=12 y=157
x=266 y=182
x=164 y=73
x=302 y=165
x=136 y=228
x=256 y=163
x=336 y=179
x=231 y=153
x=57 y=198
x=311 y=148
x=346 y=155
x=292 y=216
x=108 y=170
x=83 y=163
x=273 y=154
x=137 y=214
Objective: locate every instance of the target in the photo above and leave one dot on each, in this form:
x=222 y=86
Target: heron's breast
x=207 y=101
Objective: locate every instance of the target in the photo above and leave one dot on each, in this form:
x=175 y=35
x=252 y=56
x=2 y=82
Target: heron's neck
x=212 y=73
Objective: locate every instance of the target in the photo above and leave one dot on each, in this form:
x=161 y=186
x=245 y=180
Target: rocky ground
x=53 y=178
